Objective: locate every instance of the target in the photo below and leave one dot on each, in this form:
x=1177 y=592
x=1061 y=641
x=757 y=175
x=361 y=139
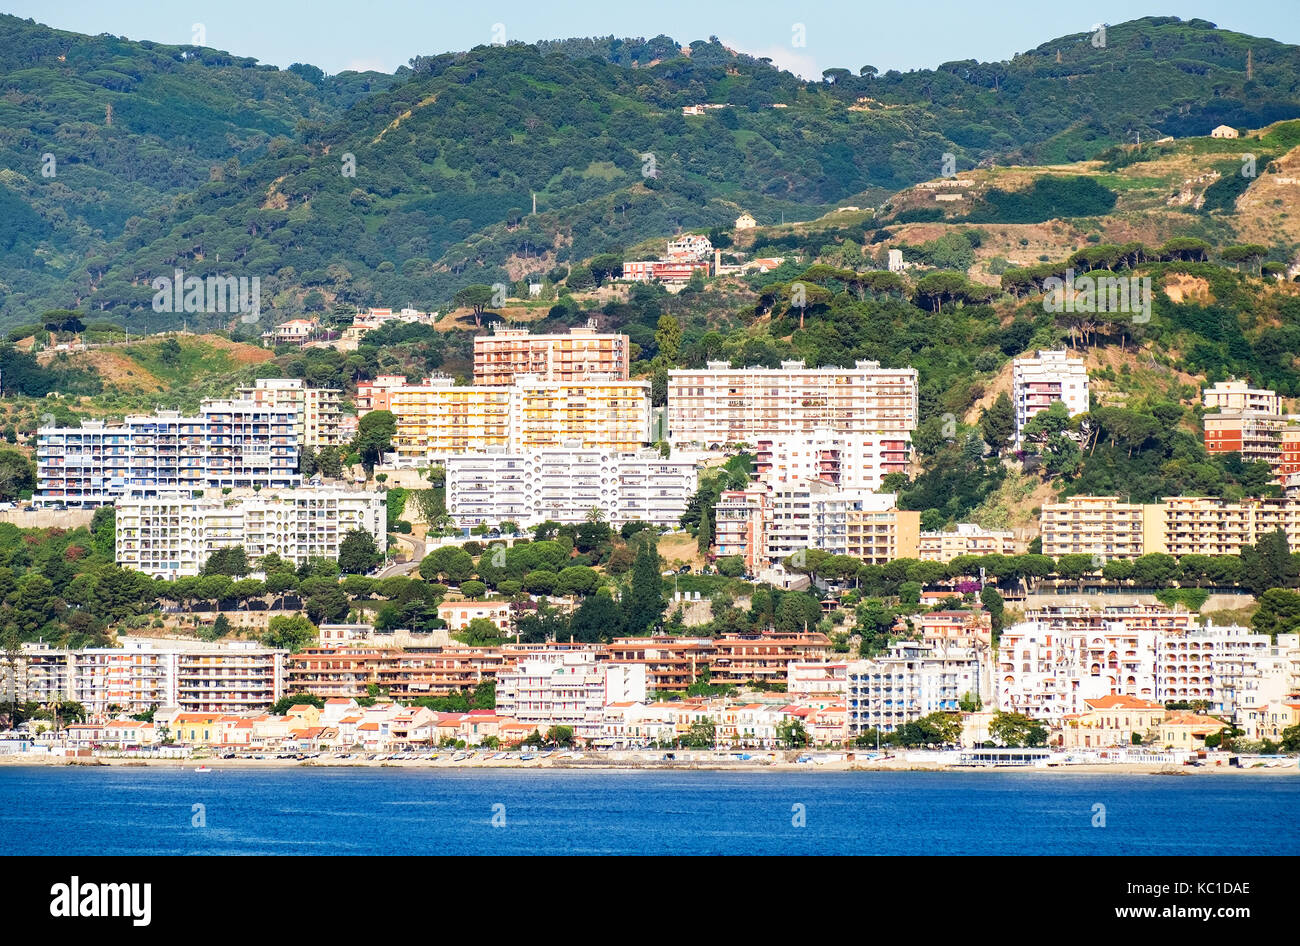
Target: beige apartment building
x=721 y=404
x=1181 y=525
x=966 y=539
x=510 y=353
x=1237 y=396
x=436 y=419
x=317 y=409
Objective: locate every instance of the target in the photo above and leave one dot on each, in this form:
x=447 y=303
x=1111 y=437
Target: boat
x=203 y=768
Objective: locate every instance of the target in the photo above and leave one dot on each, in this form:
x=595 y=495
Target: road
x=405 y=568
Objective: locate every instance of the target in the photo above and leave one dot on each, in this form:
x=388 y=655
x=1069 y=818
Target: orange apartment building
x=765 y=658
x=584 y=353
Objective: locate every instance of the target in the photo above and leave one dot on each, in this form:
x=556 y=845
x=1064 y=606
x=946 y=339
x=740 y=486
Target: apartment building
x=317 y=412
x=508 y=354
x=143 y=674
x=377 y=395
x=296 y=332
x=565 y=485
x=850 y=462
x=171 y=535
x=814 y=680
x=1228 y=667
x=910 y=681
x=459 y=614
x=1101 y=526
x=1047 y=668
x=567 y=689
x=665 y=271
x=343 y=671
x=228 y=445
x=966 y=539
x=436 y=419
x=1255 y=436
x=671 y=664
x=1060 y=657
x=741 y=660
x=1040 y=380
x=1237 y=396
x=1181 y=525
x=722 y=405
x=740 y=520
x=811 y=514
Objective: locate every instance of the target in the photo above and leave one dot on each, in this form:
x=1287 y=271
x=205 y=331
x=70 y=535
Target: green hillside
x=448 y=159
x=128 y=127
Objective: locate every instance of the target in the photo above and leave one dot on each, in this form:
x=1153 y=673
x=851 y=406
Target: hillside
x=1149 y=193
x=128 y=127
x=448 y=159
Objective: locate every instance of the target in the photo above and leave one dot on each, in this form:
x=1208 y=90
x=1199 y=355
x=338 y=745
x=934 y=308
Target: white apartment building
x=1047 y=666
x=722 y=405
x=172 y=535
x=811 y=514
x=1237 y=397
x=229 y=677
x=1038 y=381
x=565 y=485
x=910 y=681
x=1062 y=655
x=567 y=688
x=811 y=680
x=318 y=415
x=858 y=461
x=230 y=444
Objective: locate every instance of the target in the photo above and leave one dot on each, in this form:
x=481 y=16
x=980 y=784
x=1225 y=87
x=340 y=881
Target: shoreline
x=645 y=765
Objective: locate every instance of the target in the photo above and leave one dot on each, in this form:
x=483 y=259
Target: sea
x=112 y=810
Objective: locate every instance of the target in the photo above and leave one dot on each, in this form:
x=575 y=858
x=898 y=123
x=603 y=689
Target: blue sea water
x=143 y=811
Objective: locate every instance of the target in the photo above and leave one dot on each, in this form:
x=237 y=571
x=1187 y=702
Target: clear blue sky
x=888 y=34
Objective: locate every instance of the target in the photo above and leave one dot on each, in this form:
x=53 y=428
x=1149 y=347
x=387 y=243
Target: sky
x=802 y=37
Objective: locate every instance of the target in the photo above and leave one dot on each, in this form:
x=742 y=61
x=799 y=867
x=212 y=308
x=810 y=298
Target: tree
x=476 y=298
x=473 y=590
x=598 y=618
x=998 y=423
x=1268 y=563
x=702 y=734
x=328 y=604
x=450 y=562
x=357 y=553
x=374 y=437
x=791 y=733
x=644 y=605
x=560 y=736
x=290 y=631
x=1016 y=731
x=231 y=562
x=994 y=605
x=17 y=475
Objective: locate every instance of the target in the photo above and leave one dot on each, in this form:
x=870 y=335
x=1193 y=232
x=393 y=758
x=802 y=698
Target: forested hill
x=127 y=127
x=447 y=158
